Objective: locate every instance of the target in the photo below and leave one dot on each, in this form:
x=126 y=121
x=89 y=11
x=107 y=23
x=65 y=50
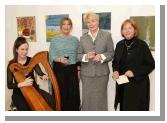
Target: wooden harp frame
x=35 y=101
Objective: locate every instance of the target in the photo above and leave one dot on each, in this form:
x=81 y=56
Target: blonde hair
x=133 y=24
x=65 y=19
x=90 y=15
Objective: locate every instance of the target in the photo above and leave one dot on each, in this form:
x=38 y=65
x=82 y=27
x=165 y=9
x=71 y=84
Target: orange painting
x=26 y=27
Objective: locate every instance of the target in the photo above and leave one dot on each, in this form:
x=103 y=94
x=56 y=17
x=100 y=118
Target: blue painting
x=53 y=26
x=104 y=22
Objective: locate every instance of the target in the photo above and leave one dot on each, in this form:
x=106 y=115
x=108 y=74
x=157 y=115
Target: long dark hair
x=18 y=42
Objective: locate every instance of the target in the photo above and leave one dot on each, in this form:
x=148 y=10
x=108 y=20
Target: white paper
x=122 y=79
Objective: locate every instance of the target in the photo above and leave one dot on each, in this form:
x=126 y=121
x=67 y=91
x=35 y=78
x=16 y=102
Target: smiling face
x=22 y=51
x=128 y=31
x=92 y=24
x=66 y=27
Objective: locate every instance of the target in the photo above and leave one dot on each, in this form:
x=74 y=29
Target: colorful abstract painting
x=52 y=26
x=26 y=27
x=104 y=22
x=146 y=27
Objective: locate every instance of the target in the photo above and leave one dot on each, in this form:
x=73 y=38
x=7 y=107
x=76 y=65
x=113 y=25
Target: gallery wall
x=118 y=15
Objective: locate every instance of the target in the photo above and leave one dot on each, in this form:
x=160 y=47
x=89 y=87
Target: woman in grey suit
x=95 y=51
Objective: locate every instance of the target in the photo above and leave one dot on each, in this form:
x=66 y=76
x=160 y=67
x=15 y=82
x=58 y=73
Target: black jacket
x=140 y=61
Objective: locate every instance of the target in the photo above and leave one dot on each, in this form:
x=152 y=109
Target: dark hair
x=18 y=42
x=134 y=25
x=66 y=19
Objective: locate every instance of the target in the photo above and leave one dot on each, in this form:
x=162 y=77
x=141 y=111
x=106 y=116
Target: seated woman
x=20 y=51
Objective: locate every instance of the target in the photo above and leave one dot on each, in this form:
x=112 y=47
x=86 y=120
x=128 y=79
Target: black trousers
x=19 y=101
x=67 y=78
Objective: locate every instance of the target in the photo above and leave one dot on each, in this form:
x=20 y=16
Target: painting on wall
x=104 y=22
x=146 y=27
x=52 y=26
x=26 y=27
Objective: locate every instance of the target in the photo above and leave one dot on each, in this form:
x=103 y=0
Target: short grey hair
x=90 y=15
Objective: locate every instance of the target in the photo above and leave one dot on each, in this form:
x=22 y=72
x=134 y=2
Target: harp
x=35 y=101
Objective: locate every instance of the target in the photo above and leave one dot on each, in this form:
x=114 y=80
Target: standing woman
x=62 y=55
x=20 y=51
x=133 y=59
x=95 y=51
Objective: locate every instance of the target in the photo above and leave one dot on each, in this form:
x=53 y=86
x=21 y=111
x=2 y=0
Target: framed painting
x=104 y=22
x=26 y=27
x=146 y=27
x=53 y=26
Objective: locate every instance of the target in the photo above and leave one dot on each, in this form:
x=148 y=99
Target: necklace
x=128 y=46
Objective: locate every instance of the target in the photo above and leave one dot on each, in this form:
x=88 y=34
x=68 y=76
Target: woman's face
x=128 y=31
x=66 y=27
x=22 y=50
x=92 y=24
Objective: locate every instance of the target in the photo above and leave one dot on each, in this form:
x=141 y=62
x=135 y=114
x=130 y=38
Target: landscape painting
x=52 y=26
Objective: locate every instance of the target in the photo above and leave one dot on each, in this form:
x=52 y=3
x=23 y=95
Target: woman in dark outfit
x=20 y=51
x=62 y=55
x=133 y=59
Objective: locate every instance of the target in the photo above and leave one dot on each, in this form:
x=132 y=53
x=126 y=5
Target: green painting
x=146 y=27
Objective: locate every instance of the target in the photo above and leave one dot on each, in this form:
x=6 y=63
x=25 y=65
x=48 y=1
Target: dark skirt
x=67 y=78
x=20 y=103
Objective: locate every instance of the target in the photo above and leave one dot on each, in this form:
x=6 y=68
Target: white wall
x=118 y=15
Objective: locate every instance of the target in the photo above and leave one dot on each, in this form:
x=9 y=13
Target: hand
x=44 y=77
x=27 y=82
x=115 y=75
x=79 y=74
x=62 y=60
x=97 y=58
x=129 y=73
x=90 y=55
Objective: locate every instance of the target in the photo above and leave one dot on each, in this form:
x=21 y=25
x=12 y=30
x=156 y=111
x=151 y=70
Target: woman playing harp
x=20 y=51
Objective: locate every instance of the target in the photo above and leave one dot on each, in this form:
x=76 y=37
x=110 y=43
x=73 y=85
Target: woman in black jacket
x=133 y=59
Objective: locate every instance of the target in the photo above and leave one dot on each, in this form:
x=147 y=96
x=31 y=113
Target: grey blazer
x=103 y=44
